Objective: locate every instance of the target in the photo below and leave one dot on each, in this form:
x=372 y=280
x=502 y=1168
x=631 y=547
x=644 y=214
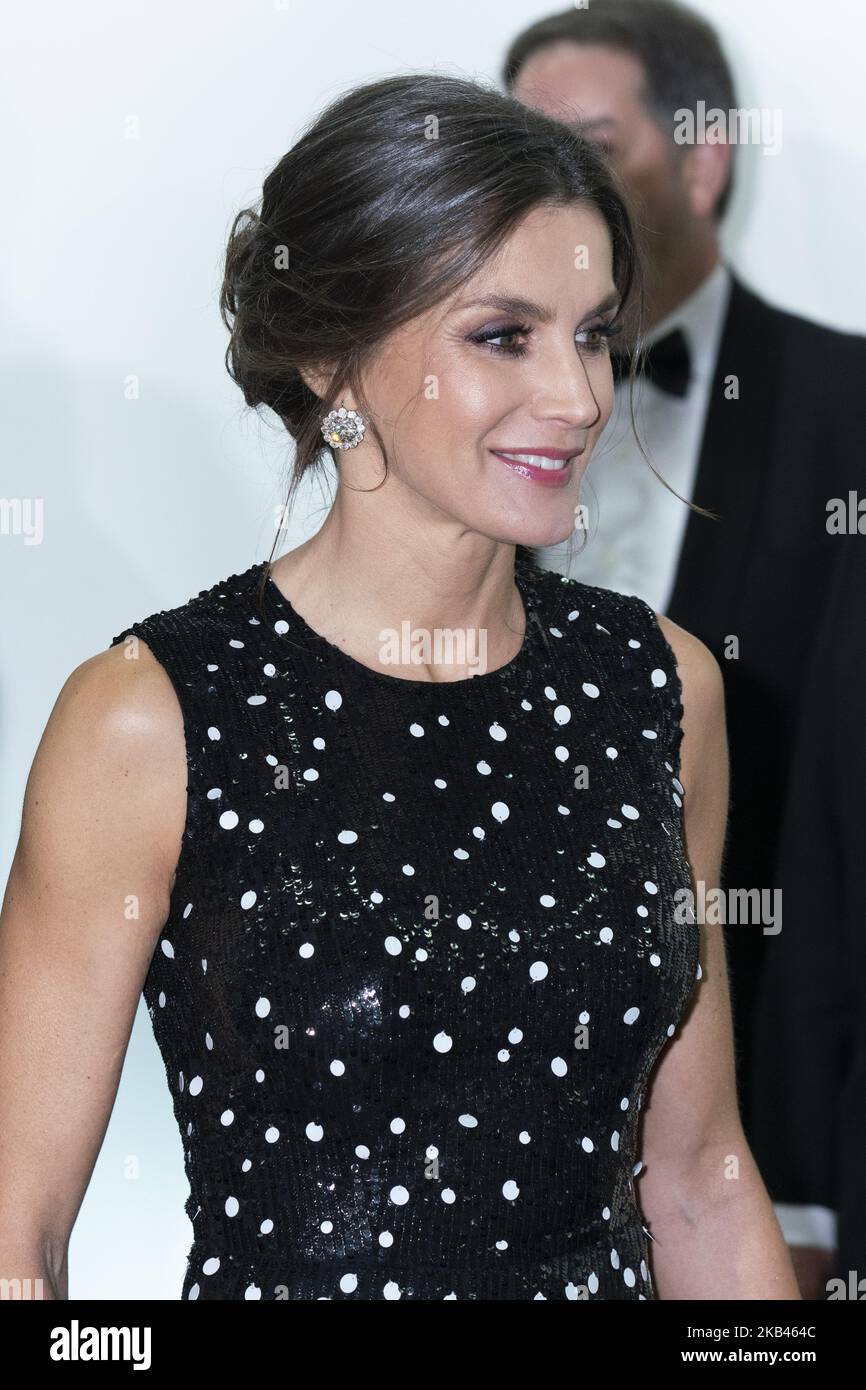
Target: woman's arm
x=87 y=896
x=715 y=1234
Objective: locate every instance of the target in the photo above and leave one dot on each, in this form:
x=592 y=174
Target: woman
x=403 y=821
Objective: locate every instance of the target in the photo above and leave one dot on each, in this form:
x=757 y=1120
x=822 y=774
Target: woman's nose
x=574 y=391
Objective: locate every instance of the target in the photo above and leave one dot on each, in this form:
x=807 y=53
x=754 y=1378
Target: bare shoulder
x=119 y=705
x=112 y=749
x=699 y=671
x=125 y=688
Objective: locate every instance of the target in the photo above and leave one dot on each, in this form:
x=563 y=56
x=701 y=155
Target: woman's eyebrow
x=527 y=308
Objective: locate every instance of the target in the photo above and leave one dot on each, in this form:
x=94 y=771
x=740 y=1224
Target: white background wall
x=110 y=266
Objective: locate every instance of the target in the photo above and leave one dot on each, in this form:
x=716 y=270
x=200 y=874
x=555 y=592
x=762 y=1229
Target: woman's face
x=460 y=390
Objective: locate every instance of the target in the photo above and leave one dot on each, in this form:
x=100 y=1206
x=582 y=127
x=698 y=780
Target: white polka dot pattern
x=422 y=953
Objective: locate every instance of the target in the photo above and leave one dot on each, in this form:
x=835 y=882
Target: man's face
x=601 y=88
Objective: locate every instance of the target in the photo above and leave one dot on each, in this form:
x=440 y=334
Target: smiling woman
x=407 y=933
x=332 y=296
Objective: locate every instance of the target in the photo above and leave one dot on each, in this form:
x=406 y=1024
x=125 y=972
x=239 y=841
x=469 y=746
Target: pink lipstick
x=555 y=471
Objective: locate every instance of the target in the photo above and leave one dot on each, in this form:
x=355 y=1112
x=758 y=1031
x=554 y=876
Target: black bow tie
x=667 y=364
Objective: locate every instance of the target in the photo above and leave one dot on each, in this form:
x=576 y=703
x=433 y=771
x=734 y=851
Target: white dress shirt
x=635 y=527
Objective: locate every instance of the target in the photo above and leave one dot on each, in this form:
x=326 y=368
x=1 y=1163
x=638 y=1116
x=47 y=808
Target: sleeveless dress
x=423 y=952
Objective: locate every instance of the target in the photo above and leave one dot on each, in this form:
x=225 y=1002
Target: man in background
x=751 y=412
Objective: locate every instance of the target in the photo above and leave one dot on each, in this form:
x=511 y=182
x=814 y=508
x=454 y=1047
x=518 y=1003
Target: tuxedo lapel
x=733 y=468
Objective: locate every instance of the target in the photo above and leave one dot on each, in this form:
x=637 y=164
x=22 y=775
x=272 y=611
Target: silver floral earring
x=343 y=429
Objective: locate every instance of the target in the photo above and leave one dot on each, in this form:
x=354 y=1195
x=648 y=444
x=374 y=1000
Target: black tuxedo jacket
x=809 y=1116
x=770 y=461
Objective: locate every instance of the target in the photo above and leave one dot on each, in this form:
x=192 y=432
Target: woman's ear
x=316 y=379
x=321 y=382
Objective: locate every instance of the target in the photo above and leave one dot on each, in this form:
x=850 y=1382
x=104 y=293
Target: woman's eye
x=504 y=340
x=511 y=341
x=508 y=341
x=602 y=332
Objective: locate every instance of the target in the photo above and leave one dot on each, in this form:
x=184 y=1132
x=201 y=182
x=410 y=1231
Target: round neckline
x=525 y=586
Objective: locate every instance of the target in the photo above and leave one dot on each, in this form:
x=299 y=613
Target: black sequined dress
x=422 y=954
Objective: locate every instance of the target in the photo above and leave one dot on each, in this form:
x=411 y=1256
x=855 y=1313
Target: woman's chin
x=542 y=537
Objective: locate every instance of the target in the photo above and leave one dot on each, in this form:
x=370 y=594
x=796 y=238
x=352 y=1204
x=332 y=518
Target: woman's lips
x=545 y=477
